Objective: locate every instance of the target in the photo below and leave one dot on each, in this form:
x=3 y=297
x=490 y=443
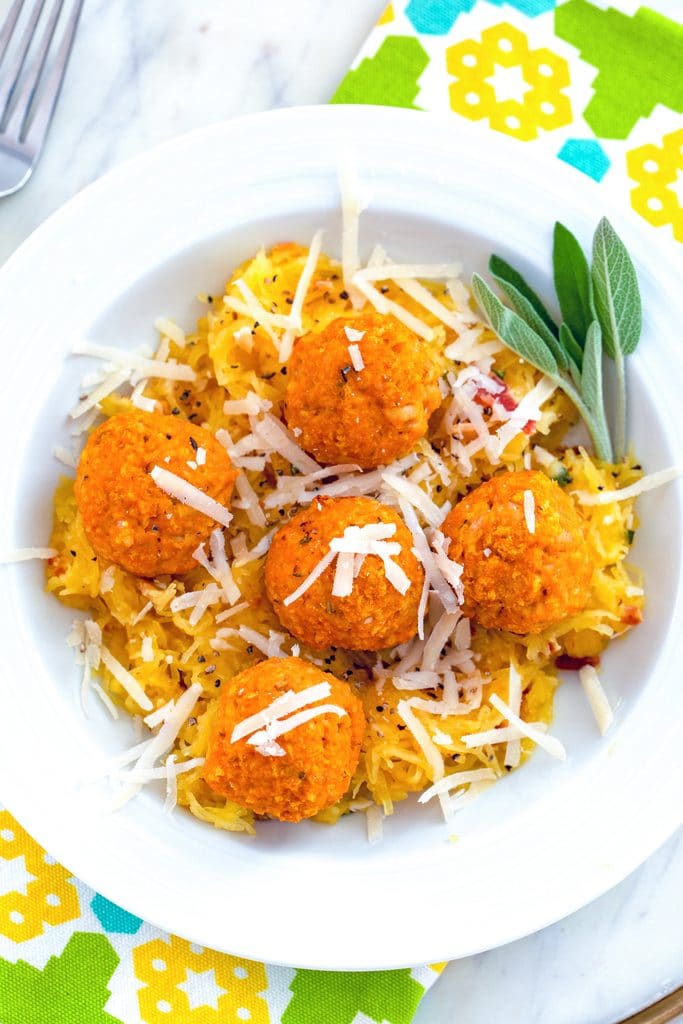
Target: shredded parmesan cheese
x=141 y=366
x=410 y=271
x=270 y=646
x=106 y=699
x=352 y=206
x=218 y=567
x=275 y=437
x=551 y=745
x=280 y=727
x=110 y=384
x=171 y=785
x=284 y=705
x=230 y=612
x=353 y=335
x=504 y=734
x=107 y=580
x=386 y=306
x=170 y=330
x=147 y=649
x=187 y=494
x=356 y=358
x=169 y=768
x=26 y=554
x=529 y=511
x=251 y=405
x=647 y=483
x=455 y=781
x=374 y=818
x=126 y=679
x=248 y=500
x=64 y=456
x=300 y=297
x=513 y=751
x=422 y=738
x=424 y=298
x=417 y=498
x=160 y=744
x=597 y=698
x=155 y=718
x=243 y=555
x=141 y=614
x=140 y=401
x=313 y=575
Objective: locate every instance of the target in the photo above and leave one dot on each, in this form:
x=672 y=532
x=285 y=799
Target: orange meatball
x=515 y=579
x=320 y=756
x=370 y=416
x=375 y=615
x=127 y=518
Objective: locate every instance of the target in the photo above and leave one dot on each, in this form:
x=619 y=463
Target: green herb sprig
x=601 y=311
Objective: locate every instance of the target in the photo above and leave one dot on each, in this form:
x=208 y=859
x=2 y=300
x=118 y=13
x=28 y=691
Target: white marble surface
x=145 y=70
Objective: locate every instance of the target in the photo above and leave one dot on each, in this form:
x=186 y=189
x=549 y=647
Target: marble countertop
x=143 y=71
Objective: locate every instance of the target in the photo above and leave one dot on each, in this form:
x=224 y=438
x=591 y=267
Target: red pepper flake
x=631 y=616
x=570 y=664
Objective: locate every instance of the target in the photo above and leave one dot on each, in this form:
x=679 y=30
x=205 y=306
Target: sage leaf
x=592 y=392
x=615 y=291
x=571 y=345
x=619 y=312
x=526 y=311
x=502 y=271
x=572 y=282
x=513 y=331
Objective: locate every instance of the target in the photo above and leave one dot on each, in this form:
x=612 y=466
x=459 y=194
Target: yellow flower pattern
x=657 y=170
x=387 y=15
x=184 y=982
x=40 y=894
x=543 y=106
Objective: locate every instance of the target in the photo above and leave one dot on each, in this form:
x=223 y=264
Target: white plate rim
x=663 y=808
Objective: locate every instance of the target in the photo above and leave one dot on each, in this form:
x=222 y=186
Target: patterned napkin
x=599 y=87
x=602 y=90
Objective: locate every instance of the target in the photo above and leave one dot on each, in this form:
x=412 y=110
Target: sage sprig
x=601 y=310
x=502 y=271
x=523 y=340
x=619 y=310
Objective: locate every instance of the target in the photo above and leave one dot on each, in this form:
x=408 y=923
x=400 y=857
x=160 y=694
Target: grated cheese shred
x=597 y=698
x=188 y=494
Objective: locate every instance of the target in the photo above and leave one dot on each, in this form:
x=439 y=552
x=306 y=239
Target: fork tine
x=45 y=105
x=24 y=99
x=8 y=27
x=12 y=75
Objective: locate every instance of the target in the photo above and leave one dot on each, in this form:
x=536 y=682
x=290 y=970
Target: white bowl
x=544 y=841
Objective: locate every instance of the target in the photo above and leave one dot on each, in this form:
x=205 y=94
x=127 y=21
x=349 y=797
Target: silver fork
x=28 y=100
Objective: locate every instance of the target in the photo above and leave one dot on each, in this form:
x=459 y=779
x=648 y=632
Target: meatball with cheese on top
x=361 y=391
x=286 y=739
x=128 y=518
x=522 y=545
x=342 y=573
